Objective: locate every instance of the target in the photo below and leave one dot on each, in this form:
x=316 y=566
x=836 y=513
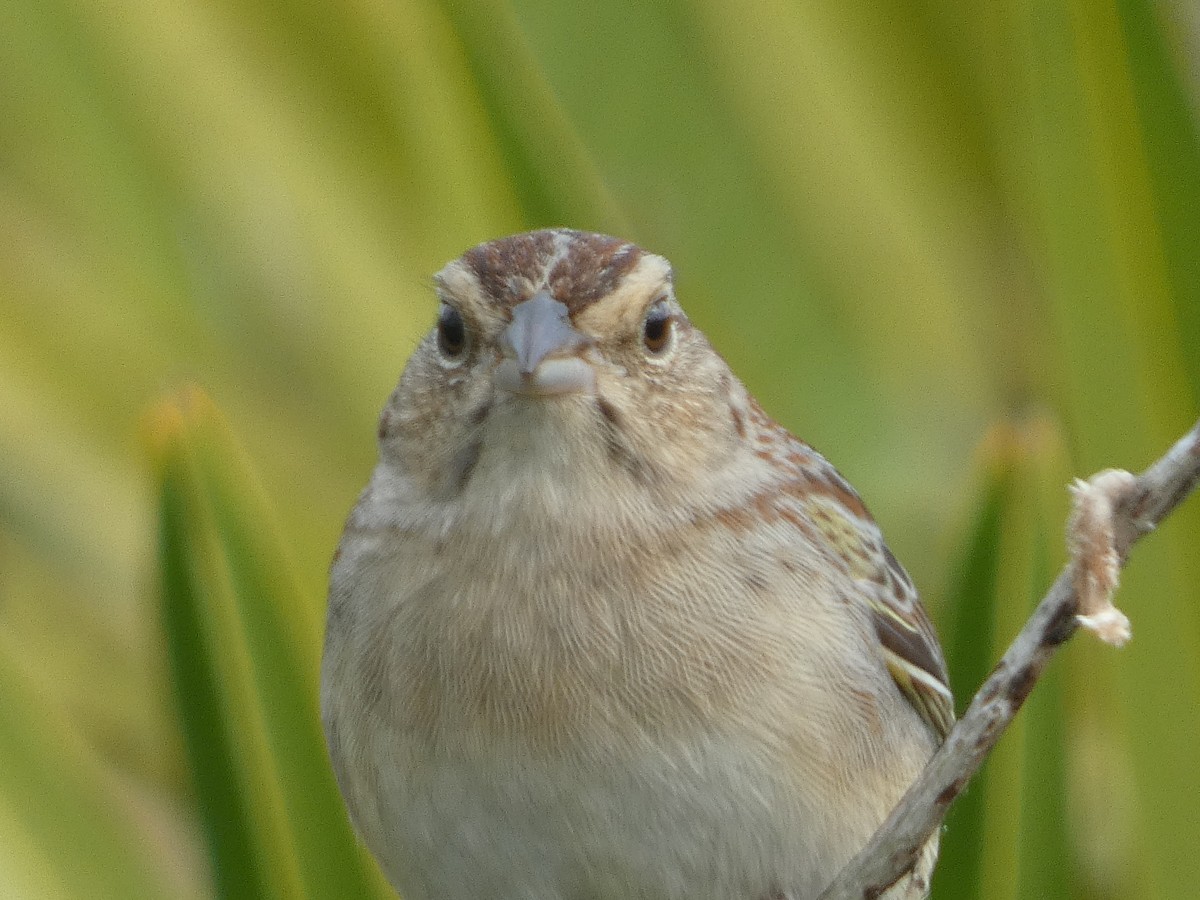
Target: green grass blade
x=239 y=869
x=1123 y=377
x=1173 y=163
x=1044 y=850
x=1021 y=790
x=244 y=656
x=970 y=653
x=552 y=173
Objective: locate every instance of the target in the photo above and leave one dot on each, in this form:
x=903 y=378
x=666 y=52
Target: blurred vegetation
x=954 y=245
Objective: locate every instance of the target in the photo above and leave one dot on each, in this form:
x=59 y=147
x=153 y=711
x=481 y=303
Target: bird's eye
x=658 y=328
x=452 y=333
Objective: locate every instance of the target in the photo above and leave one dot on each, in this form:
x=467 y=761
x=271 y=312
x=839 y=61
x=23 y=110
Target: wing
x=907 y=640
x=910 y=645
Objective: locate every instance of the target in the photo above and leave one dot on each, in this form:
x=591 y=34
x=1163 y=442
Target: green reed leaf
x=244 y=657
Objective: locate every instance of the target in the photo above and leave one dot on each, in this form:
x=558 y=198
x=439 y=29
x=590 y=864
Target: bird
x=598 y=627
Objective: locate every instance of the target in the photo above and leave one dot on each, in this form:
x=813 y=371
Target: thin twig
x=1141 y=504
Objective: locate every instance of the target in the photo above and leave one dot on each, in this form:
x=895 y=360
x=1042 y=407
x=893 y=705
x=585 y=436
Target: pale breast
x=623 y=720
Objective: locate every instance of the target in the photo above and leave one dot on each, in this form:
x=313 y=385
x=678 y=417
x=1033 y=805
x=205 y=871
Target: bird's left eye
x=658 y=328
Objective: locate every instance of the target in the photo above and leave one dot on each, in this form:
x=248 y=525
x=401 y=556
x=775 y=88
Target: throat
x=549 y=483
x=617 y=445
x=551 y=452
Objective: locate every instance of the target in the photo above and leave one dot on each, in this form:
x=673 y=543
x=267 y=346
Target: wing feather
x=908 y=642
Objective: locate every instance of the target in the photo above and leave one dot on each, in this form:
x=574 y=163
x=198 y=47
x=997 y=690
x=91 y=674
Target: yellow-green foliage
x=954 y=245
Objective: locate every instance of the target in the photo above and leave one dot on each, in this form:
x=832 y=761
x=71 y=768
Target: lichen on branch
x=1111 y=511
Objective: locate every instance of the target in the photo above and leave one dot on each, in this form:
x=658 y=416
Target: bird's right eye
x=451 y=333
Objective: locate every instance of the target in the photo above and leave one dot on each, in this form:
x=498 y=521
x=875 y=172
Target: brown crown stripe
x=590 y=266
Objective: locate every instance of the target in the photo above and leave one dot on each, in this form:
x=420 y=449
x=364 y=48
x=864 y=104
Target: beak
x=541 y=349
x=540 y=327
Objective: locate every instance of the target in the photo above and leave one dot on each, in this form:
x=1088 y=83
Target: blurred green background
x=956 y=246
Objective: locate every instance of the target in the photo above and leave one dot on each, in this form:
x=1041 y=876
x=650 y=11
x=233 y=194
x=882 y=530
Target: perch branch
x=1112 y=510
